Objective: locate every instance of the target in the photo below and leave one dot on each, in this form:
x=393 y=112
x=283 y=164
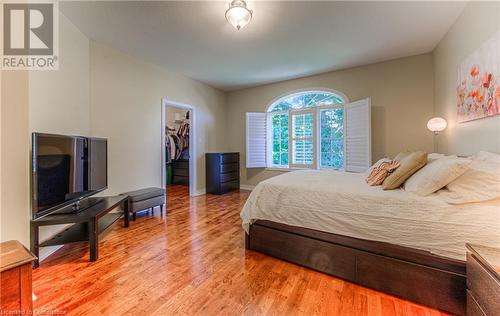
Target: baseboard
x=200 y=192
x=46 y=233
x=45 y=252
x=247 y=187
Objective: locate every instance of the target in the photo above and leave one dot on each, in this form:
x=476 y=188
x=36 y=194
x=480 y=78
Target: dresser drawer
x=230 y=167
x=229 y=176
x=484 y=287
x=473 y=308
x=180 y=172
x=181 y=164
x=222 y=172
x=229 y=186
x=229 y=158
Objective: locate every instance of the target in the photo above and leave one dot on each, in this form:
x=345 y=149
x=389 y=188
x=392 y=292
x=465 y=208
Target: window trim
x=314 y=138
x=301 y=91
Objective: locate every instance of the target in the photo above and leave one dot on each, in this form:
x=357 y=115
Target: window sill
x=293 y=169
x=288 y=169
x=279 y=169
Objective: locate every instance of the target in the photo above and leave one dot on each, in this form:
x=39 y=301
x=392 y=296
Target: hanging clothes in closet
x=183 y=139
x=172 y=146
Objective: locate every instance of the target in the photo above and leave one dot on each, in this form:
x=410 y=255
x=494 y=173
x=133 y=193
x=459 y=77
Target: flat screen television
x=65 y=170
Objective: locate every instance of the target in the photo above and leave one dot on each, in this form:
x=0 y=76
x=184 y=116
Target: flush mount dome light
x=238 y=14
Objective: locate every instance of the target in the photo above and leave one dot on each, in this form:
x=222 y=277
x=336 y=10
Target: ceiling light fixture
x=238 y=14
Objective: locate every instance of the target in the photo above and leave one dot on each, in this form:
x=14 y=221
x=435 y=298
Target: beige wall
x=59 y=101
x=477 y=23
x=401 y=92
x=126 y=96
x=15 y=163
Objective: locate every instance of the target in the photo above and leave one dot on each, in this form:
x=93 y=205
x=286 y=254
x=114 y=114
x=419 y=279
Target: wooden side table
x=483 y=281
x=15 y=274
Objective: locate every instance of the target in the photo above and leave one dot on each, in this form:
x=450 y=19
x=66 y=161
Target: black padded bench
x=145 y=199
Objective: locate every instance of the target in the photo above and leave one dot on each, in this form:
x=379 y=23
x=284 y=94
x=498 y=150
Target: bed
x=406 y=245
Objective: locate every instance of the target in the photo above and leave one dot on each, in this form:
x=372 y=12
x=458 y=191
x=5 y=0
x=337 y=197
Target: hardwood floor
x=193 y=262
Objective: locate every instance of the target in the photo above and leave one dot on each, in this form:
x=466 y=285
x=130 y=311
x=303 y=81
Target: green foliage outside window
x=280 y=139
x=332 y=138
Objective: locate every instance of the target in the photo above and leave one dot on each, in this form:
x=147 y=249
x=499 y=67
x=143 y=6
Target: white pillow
x=487 y=156
x=481 y=182
x=436 y=175
x=434 y=156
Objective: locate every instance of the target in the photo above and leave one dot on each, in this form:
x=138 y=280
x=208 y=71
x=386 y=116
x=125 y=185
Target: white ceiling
x=285 y=40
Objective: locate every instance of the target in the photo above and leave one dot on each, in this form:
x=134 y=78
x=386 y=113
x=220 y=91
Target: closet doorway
x=178 y=146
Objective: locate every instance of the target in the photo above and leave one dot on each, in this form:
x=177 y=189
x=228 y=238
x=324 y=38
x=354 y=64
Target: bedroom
x=113 y=77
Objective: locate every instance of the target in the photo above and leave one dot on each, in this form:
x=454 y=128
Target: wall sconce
x=436 y=125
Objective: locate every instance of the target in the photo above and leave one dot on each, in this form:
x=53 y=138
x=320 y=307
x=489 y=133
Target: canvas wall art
x=478 y=85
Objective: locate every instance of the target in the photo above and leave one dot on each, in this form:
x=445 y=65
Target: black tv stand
x=79 y=206
x=88 y=224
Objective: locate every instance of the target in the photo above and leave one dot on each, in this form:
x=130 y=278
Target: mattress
x=342 y=203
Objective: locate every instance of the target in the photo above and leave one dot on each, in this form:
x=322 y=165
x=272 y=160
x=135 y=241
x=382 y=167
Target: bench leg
x=134 y=216
x=126 y=213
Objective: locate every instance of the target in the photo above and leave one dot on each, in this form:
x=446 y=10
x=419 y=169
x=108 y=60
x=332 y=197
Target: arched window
x=306 y=130
x=306 y=99
x=314 y=128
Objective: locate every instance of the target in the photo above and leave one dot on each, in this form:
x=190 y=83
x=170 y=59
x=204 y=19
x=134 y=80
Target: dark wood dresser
x=222 y=172
x=180 y=171
x=15 y=273
x=483 y=281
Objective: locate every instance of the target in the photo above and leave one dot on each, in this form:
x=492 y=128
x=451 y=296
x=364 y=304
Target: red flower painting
x=478 y=88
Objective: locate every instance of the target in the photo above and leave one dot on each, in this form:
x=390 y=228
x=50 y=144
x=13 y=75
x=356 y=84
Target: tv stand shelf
x=80 y=232
x=88 y=224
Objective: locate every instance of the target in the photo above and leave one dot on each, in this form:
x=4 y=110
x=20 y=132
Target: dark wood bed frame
x=411 y=274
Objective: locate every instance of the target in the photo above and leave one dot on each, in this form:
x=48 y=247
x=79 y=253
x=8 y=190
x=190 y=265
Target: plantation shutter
x=357 y=136
x=256 y=139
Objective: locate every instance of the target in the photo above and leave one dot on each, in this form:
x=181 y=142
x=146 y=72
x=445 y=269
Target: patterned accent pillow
x=376 y=165
x=378 y=174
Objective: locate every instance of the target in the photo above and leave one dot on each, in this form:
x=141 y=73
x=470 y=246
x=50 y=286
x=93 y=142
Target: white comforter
x=342 y=203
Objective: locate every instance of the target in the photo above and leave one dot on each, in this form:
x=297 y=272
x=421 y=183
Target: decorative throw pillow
x=378 y=174
x=376 y=165
x=402 y=155
x=436 y=175
x=481 y=182
x=434 y=156
x=408 y=166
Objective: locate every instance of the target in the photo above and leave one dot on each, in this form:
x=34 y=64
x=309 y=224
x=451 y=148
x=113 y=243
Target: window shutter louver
x=357 y=124
x=256 y=140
